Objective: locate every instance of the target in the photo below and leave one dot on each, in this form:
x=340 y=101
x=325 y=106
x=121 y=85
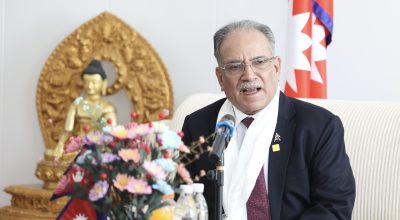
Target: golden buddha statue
x=59 y=80
x=87 y=113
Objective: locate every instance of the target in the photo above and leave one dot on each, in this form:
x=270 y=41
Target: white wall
x=364 y=56
x=2 y=112
x=362 y=61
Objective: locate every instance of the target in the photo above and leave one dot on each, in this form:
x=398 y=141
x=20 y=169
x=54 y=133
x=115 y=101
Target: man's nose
x=248 y=71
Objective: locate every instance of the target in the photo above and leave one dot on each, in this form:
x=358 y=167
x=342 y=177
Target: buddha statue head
x=94 y=79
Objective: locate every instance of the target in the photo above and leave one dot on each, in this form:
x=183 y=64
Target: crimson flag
x=310 y=25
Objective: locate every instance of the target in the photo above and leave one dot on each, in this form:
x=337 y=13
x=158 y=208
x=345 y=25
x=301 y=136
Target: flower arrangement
x=125 y=170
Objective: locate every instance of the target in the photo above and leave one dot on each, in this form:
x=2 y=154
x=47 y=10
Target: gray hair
x=221 y=34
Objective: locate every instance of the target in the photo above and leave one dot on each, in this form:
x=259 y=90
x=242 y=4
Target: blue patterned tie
x=257 y=205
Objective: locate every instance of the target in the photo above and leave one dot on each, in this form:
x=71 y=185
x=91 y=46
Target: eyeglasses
x=257 y=64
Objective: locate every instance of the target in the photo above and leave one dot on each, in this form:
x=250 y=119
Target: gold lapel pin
x=275 y=148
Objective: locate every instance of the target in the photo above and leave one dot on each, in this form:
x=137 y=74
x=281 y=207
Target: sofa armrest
x=191 y=104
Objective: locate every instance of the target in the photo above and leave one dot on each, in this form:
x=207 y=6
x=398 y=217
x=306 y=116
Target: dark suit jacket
x=309 y=178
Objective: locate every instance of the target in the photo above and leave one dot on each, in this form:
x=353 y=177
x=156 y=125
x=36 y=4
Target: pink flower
x=129 y=125
x=121 y=181
x=202 y=140
x=139 y=130
x=154 y=169
x=119 y=131
x=136 y=186
x=98 y=191
x=74 y=143
x=183 y=148
x=129 y=154
x=184 y=173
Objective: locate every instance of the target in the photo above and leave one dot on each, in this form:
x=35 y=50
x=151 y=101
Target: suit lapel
x=214 y=115
x=278 y=160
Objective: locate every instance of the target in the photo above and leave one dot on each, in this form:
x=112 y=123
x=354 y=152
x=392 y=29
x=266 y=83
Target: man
x=290 y=163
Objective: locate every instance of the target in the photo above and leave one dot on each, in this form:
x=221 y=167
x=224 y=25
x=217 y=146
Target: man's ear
x=220 y=73
x=104 y=87
x=277 y=65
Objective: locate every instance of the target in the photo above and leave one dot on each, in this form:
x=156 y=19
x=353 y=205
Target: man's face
x=249 y=91
x=92 y=84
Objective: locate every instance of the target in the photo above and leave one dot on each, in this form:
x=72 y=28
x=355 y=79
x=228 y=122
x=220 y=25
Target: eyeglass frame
x=243 y=63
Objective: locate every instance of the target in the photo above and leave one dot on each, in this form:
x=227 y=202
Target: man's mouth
x=250 y=91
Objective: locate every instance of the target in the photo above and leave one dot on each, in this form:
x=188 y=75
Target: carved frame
x=140 y=72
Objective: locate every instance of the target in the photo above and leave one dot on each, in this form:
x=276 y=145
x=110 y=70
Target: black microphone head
x=223 y=132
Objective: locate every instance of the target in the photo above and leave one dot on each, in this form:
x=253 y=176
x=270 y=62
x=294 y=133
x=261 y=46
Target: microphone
x=224 y=130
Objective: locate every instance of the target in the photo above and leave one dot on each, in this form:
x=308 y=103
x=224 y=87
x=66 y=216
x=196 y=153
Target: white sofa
x=372 y=137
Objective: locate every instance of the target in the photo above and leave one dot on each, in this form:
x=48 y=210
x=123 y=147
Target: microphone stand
x=224 y=131
x=217 y=176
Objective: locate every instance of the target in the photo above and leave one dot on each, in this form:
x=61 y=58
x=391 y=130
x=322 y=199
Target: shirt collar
x=239 y=115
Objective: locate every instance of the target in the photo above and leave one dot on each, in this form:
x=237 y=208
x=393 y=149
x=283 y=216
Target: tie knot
x=247 y=121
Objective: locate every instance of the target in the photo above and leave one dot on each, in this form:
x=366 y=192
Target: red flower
x=103 y=176
x=112 y=144
x=145 y=147
x=133 y=115
x=86 y=128
x=149 y=176
x=161 y=116
x=166 y=155
x=109 y=121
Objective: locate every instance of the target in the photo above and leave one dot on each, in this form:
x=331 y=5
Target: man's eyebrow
x=234 y=61
x=257 y=57
x=241 y=61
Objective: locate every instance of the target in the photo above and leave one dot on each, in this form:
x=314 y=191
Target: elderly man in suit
x=286 y=159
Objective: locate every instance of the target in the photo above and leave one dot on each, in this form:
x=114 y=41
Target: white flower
x=160 y=127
